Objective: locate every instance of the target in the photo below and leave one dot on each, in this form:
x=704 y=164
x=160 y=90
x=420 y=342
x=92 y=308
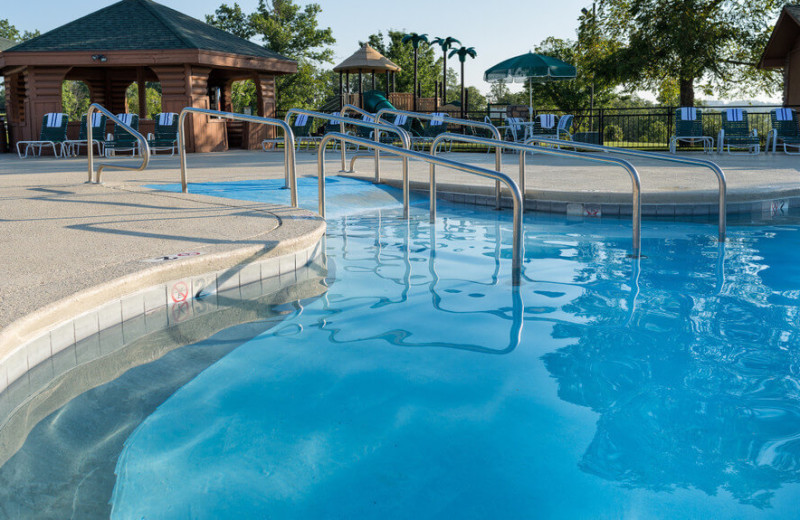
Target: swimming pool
x=422 y=385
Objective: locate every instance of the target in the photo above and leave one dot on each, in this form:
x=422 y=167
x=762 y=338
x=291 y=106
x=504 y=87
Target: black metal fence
x=648 y=128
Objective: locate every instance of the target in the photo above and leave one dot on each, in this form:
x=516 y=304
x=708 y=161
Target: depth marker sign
x=176 y=256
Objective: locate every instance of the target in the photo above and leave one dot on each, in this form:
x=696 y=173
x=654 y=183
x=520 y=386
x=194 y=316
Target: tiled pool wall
x=762 y=208
x=35 y=363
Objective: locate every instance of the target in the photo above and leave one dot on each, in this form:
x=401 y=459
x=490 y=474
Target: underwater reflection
x=392 y=256
x=698 y=387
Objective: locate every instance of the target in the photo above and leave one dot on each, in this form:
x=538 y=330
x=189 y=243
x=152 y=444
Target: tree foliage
x=574 y=94
x=292 y=31
x=152 y=99
x=428 y=66
x=710 y=44
x=74 y=99
x=10 y=32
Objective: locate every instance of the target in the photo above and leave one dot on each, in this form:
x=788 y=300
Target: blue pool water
x=422 y=386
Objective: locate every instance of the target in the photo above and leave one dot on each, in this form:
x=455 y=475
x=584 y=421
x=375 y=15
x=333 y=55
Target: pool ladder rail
x=516 y=195
x=289 y=160
x=636 y=185
x=705 y=163
x=377 y=127
x=144 y=148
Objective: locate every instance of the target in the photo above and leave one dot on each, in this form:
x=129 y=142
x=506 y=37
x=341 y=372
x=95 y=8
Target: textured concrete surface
x=61 y=236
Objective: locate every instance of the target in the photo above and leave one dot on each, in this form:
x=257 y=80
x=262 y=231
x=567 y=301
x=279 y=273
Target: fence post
x=670 y=121
x=601 y=126
x=4 y=146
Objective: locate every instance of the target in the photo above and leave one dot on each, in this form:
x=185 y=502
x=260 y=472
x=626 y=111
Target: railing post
x=601 y=127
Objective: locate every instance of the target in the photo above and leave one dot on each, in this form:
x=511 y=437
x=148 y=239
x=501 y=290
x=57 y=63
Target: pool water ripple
x=423 y=385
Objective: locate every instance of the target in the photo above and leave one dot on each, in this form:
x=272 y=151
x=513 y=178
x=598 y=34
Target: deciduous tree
x=713 y=44
x=292 y=31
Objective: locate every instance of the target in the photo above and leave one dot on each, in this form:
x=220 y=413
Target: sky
x=497 y=29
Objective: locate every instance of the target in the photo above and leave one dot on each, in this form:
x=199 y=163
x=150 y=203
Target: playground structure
x=367 y=60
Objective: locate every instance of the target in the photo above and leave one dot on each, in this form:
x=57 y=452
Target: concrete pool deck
x=69 y=246
x=63 y=237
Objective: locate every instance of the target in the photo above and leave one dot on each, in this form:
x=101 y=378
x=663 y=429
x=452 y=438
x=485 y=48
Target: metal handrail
x=498 y=153
x=723 y=184
x=404 y=136
x=352 y=121
x=144 y=148
x=636 y=185
x=516 y=257
x=358 y=110
x=290 y=167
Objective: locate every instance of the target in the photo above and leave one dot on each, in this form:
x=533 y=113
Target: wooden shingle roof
x=781 y=41
x=131 y=25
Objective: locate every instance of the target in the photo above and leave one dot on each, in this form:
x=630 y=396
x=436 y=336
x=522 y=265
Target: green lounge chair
x=736 y=132
x=785 y=129
x=53 y=134
x=689 y=127
x=98 y=135
x=302 y=131
x=436 y=126
x=165 y=137
x=122 y=140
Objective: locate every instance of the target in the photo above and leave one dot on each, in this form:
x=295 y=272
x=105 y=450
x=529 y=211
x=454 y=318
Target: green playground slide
x=375 y=100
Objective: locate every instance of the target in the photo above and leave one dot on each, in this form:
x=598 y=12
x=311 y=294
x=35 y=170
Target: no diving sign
x=176 y=256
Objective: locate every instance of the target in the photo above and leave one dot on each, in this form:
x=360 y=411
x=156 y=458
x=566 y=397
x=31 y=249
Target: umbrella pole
x=530 y=100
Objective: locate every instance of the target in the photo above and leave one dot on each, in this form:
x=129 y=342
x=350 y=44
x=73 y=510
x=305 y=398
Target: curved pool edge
x=40 y=335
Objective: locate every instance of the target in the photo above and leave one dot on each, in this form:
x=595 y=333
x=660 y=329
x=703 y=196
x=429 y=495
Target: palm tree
x=446 y=44
x=462 y=53
x=416 y=40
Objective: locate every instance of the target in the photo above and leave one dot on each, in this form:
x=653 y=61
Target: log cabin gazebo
x=140 y=41
x=365 y=59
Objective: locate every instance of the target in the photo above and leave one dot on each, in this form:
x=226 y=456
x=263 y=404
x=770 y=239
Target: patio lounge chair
x=785 y=129
x=689 y=127
x=302 y=131
x=513 y=130
x=53 y=133
x=549 y=125
x=736 y=132
x=98 y=135
x=122 y=140
x=436 y=126
x=166 y=133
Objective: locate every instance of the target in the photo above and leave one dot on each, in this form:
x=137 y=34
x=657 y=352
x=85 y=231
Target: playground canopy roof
x=367 y=59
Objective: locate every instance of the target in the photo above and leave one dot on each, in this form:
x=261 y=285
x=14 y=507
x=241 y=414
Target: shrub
x=613 y=133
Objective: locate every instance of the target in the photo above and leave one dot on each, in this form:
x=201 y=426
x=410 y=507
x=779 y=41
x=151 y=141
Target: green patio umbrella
x=535 y=68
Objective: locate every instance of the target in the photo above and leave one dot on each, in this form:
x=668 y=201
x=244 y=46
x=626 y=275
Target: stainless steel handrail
x=498 y=152
x=636 y=185
x=516 y=257
x=376 y=153
x=404 y=136
x=290 y=167
x=723 y=184
x=355 y=109
x=376 y=137
x=144 y=148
